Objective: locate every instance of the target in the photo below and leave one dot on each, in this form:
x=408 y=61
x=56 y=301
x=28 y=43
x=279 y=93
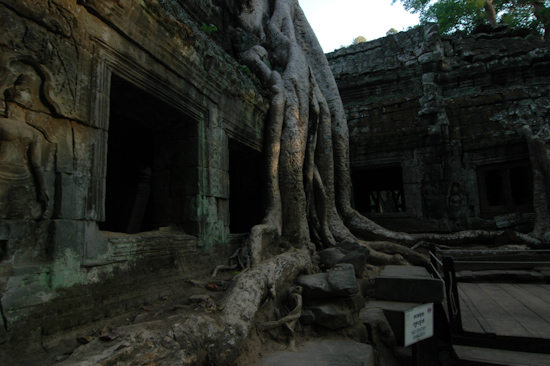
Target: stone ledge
x=408 y=284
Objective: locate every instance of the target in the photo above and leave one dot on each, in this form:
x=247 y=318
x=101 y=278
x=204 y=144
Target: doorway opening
x=148 y=157
x=246 y=205
x=505 y=188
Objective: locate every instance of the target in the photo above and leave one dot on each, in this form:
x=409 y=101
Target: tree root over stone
x=289 y=321
x=306 y=147
x=241 y=260
x=200 y=339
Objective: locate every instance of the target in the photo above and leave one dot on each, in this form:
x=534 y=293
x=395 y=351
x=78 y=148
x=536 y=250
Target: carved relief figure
x=456 y=208
x=23 y=190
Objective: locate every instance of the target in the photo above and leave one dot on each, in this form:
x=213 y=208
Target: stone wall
x=101 y=98
x=434 y=111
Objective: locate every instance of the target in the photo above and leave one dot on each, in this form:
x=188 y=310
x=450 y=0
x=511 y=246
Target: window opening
x=378 y=190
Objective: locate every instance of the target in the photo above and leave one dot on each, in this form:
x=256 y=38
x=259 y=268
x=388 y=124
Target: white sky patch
x=338 y=22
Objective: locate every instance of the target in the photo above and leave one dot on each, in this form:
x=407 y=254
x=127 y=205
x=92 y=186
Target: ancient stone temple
x=131 y=145
x=125 y=130
x=433 y=147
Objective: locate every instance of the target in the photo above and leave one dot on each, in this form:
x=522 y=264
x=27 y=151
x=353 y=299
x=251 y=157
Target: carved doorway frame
x=108 y=60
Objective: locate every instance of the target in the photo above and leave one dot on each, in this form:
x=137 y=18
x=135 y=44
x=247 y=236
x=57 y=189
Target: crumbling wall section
x=437 y=107
x=57 y=63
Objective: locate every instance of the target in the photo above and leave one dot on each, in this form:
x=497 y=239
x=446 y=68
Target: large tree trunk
x=490 y=10
x=307 y=141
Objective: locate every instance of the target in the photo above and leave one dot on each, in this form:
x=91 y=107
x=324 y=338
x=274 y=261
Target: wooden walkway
x=506 y=310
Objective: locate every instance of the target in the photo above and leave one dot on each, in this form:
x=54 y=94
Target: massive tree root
x=205 y=338
x=308 y=201
x=307 y=143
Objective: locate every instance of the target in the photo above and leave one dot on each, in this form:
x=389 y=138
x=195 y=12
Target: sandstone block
x=341 y=279
x=331 y=317
x=409 y=284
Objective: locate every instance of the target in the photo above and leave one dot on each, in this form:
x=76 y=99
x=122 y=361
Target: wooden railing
x=455 y=260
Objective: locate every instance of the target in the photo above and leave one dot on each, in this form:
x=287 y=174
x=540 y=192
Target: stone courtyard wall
x=431 y=106
x=437 y=108
x=58 y=64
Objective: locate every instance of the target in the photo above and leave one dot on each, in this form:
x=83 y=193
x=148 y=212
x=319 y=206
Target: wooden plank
x=531 y=301
x=539 y=290
x=531 y=322
x=469 y=320
x=497 y=317
x=490 y=356
x=479 y=319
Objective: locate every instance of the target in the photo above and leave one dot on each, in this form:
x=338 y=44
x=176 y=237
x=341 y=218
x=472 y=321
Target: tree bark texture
x=307 y=140
x=491 y=13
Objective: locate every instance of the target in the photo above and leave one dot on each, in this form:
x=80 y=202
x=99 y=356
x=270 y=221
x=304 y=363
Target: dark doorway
x=505 y=188
x=378 y=189
x=246 y=205
x=129 y=152
x=146 y=153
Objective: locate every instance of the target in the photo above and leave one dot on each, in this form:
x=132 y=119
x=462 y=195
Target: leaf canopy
x=464 y=15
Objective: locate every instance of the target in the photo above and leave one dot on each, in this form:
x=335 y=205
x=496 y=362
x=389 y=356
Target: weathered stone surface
x=346 y=252
x=307 y=317
x=74 y=78
x=327 y=352
x=24 y=290
x=338 y=282
x=330 y=257
x=408 y=284
x=355 y=303
x=315 y=286
x=376 y=320
x=331 y=317
x=405 y=96
x=341 y=279
x=73 y=53
x=357 y=260
x=351 y=303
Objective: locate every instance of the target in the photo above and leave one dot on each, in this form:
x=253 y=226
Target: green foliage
x=208 y=29
x=391 y=31
x=455 y=15
x=465 y=15
x=524 y=14
x=358 y=40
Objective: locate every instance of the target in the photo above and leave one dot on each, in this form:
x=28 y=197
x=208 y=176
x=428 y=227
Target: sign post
x=418 y=324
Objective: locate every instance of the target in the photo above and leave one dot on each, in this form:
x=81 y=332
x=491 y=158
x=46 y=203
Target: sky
x=338 y=22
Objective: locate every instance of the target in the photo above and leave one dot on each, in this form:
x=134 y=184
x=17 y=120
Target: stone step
x=408 y=284
x=325 y=352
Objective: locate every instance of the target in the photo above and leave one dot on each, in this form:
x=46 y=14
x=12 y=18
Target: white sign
x=419 y=323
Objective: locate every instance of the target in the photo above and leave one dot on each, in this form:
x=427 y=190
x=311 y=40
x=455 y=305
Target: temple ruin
x=132 y=140
x=430 y=150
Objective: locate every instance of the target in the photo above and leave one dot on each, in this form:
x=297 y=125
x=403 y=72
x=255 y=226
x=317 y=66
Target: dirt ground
x=202 y=295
